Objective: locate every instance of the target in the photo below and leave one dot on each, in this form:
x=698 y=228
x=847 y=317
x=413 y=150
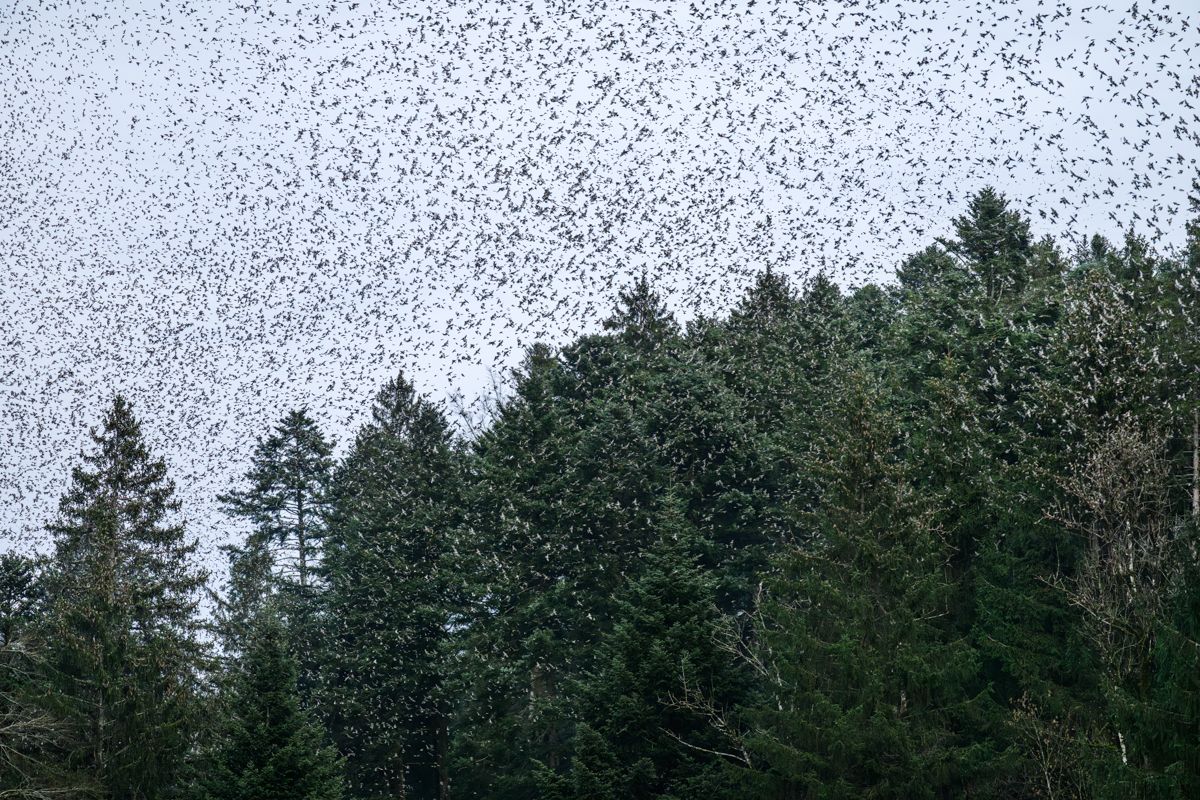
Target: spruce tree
x=641 y=318
x=994 y=243
x=270 y=748
x=868 y=690
x=34 y=737
x=392 y=598
x=285 y=500
x=663 y=675
x=121 y=624
x=20 y=594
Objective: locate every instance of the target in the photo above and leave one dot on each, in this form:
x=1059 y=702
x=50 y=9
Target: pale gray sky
x=225 y=210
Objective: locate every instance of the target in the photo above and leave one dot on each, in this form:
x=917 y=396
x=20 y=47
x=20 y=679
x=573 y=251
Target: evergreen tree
x=392 y=598
x=121 y=625
x=931 y=269
x=285 y=499
x=641 y=318
x=270 y=748
x=248 y=589
x=20 y=594
x=34 y=737
x=662 y=677
x=994 y=243
x=869 y=691
x=286 y=502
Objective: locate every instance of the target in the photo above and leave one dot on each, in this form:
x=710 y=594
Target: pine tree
x=270 y=748
x=994 y=243
x=20 y=594
x=662 y=678
x=930 y=270
x=770 y=302
x=248 y=589
x=121 y=624
x=34 y=738
x=641 y=318
x=576 y=428
x=285 y=499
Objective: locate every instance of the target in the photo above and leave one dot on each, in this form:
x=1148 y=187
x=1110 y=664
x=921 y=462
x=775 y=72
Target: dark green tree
x=34 y=737
x=393 y=598
x=664 y=676
x=270 y=748
x=121 y=625
x=20 y=594
x=641 y=318
x=868 y=691
x=994 y=244
x=285 y=500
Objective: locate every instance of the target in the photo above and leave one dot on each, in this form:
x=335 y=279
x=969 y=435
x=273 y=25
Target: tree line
x=933 y=539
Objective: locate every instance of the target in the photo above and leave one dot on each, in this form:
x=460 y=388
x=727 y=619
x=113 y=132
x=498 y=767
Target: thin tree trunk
x=399 y=766
x=542 y=686
x=443 y=757
x=1196 y=462
x=301 y=543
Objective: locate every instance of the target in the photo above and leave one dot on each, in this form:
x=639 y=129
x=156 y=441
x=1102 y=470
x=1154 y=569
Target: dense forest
x=935 y=538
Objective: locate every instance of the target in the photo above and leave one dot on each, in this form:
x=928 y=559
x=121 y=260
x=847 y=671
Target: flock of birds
x=229 y=209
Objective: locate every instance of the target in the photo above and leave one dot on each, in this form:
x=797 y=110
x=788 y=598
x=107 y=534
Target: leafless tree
x=1118 y=500
x=31 y=736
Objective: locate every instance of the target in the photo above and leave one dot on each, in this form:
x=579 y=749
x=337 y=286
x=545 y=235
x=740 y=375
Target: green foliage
x=392 y=598
x=933 y=539
x=269 y=748
x=121 y=625
x=868 y=689
x=285 y=500
x=662 y=677
x=20 y=594
x=994 y=244
x=286 y=496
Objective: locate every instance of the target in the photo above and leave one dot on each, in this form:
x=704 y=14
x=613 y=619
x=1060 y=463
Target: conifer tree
x=662 y=677
x=20 y=594
x=392 y=598
x=121 y=624
x=868 y=690
x=641 y=318
x=34 y=737
x=285 y=500
x=270 y=748
x=994 y=243
x=507 y=687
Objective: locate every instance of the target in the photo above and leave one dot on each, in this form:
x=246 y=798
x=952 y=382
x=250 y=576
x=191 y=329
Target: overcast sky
x=226 y=210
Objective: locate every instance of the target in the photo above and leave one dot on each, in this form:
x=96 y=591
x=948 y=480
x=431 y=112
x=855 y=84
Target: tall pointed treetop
x=995 y=243
x=641 y=316
x=271 y=748
x=122 y=623
x=770 y=300
x=118 y=514
x=286 y=495
x=400 y=412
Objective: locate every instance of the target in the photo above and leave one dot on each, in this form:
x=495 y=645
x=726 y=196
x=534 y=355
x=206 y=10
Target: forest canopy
x=932 y=538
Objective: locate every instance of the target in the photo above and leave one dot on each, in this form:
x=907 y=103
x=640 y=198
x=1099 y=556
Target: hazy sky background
x=226 y=210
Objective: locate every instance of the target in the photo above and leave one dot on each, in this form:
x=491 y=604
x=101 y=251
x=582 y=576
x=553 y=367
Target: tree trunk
x=443 y=757
x=301 y=543
x=1196 y=462
x=542 y=688
x=399 y=766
